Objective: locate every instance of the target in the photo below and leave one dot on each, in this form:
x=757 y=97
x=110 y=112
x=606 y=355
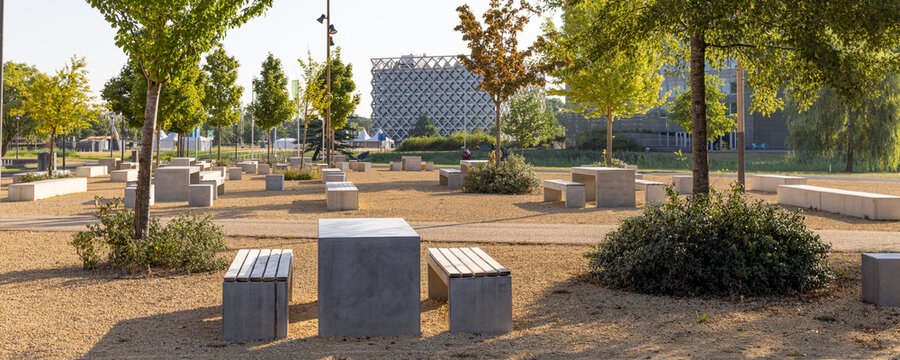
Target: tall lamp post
x=329 y=30
x=1 y=87
x=740 y=122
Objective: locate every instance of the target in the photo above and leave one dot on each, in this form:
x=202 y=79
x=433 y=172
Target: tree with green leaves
x=167 y=39
x=718 y=122
x=529 y=120
x=626 y=83
x=222 y=98
x=17 y=79
x=273 y=104
x=798 y=45
x=423 y=128
x=495 y=55
x=61 y=101
x=117 y=94
x=344 y=98
x=309 y=90
x=870 y=131
x=180 y=105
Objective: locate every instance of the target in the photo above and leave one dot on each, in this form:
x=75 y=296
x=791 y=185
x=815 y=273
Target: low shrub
x=445 y=143
x=712 y=245
x=32 y=177
x=187 y=243
x=595 y=139
x=307 y=173
x=513 y=176
x=615 y=163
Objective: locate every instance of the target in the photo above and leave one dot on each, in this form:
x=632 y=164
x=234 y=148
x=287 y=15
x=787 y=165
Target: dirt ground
x=51 y=308
x=414 y=196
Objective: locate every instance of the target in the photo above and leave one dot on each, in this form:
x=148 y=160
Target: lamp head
x=331 y=29
x=321 y=18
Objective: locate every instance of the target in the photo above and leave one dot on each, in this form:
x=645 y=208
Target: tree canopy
x=718 y=122
x=529 y=119
x=17 y=79
x=344 y=98
x=272 y=105
x=222 y=95
x=423 y=128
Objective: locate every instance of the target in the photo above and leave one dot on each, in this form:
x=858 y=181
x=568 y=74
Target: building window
x=732 y=107
x=733 y=87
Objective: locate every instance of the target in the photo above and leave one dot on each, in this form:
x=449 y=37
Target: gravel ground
x=51 y=308
x=414 y=196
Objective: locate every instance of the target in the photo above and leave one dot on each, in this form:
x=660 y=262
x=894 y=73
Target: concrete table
x=369 y=278
x=183 y=161
x=411 y=163
x=172 y=182
x=880 y=275
x=465 y=165
x=610 y=187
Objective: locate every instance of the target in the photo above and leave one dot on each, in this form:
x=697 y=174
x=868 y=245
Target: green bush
x=513 y=176
x=308 y=173
x=712 y=245
x=453 y=142
x=188 y=243
x=614 y=163
x=595 y=139
x=38 y=176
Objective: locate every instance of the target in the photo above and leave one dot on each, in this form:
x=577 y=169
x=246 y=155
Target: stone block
x=201 y=195
x=129 y=166
x=326 y=171
x=411 y=163
x=396 y=166
x=341 y=195
x=183 y=161
x=112 y=164
x=123 y=175
x=881 y=278
x=452 y=178
x=610 y=187
x=173 y=182
x=43 y=189
x=344 y=166
x=262 y=169
x=91 y=171
x=334 y=176
x=218 y=182
x=131 y=195
x=248 y=166
x=769 y=183
x=428 y=166
x=256 y=294
x=234 y=173
x=275 y=182
x=363 y=167
x=683 y=184
x=223 y=170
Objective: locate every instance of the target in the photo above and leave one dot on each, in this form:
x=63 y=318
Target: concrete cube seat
x=428 y=166
x=223 y=170
x=131 y=195
x=477 y=288
x=452 y=178
x=362 y=166
x=411 y=163
x=326 y=171
x=275 y=182
x=248 y=166
x=256 y=293
x=769 y=183
x=852 y=203
x=217 y=181
x=344 y=166
x=123 y=175
x=336 y=158
x=341 y=195
x=653 y=191
x=112 y=164
x=881 y=278
x=43 y=189
x=684 y=184
x=334 y=176
x=91 y=171
x=235 y=173
x=395 y=166
x=573 y=191
x=183 y=161
x=201 y=195
x=129 y=165
x=262 y=169
x=352 y=164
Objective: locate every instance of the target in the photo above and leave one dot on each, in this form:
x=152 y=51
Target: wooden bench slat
x=244 y=273
x=473 y=267
x=484 y=256
x=442 y=261
x=455 y=262
x=235 y=267
x=284 y=265
x=487 y=268
x=260 y=268
x=272 y=265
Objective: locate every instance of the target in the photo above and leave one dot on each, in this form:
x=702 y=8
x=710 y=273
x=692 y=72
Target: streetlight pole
x=1 y=87
x=740 y=122
x=328 y=80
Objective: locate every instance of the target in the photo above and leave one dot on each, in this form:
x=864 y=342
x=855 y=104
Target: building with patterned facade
x=439 y=87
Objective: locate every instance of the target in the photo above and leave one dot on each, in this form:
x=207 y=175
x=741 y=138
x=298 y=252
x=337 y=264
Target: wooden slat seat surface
x=260 y=265
x=340 y=186
x=284 y=265
x=466 y=262
x=236 y=264
x=647 y=182
x=272 y=265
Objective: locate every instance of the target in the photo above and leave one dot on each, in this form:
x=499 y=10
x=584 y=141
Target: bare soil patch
x=51 y=308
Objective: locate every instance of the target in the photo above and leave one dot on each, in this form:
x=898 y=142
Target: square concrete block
x=352 y=164
x=111 y=164
x=428 y=166
x=336 y=158
x=344 y=166
x=123 y=175
x=248 y=166
x=235 y=173
x=610 y=187
x=684 y=184
x=411 y=163
x=172 y=182
x=183 y=161
x=275 y=182
x=452 y=178
x=369 y=278
x=91 y=171
x=334 y=176
x=129 y=165
x=363 y=167
x=262 y=169
x=769 y=183
x=881 y=278
x=256 y=294
x=222 y=170
x=341 y=196
x=201 y=195
x=396 y=166
x=131 y=195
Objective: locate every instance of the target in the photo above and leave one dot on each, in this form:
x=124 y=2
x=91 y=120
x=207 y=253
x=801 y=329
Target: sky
x=47 y=33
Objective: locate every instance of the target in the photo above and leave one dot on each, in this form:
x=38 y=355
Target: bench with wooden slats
x=256 y=291
x=477 y=287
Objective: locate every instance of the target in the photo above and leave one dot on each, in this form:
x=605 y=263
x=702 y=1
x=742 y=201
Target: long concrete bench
x=43 y=189
x=123 y=175
x=256 y=293
x=17 y=178
x=91 y=171
x=183 y=161
x=341 y=196
x=477 y=288
x=769 y=183
x=853 y=203
x=653 y=191
x=574 y=192
x=452 y=178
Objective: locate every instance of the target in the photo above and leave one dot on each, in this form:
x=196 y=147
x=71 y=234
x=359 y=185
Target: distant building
x=439 y=87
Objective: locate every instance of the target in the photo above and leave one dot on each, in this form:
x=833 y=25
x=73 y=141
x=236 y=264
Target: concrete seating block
x=223 y=170
x=256 y=294
x=452 y=178
x=183 y=161
x=131 y=195
x=428 y=166
x=654 y=192
x=204 y=166
x=352 y=164
x=281 y=167
x=610 y=187
x=336 y=158
x=334 y=176
x=477 y=288
x=217 y=181
x=173 y=182
x=465 y=165
x=769 y=183
x=262 y=169
x=112 y=164
x=235 y=173
x=275 y=182
x=411 y=163
x=123 y=175
x=368 y=264
x=881 y=278
x=852 y=203
x=91 y=171
x=129 y=166
x=326 y=171
x=295 y=161
x=43 y=189
x=344 y=166
x=363 y=167
x=341 y=195
x=573 y=191
x=248 y=166
x=396 y=166
x=684 y=184
x=201 y=195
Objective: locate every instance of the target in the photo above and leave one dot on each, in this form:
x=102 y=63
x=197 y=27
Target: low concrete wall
x=91 y=171
x=853 y=203
x=769 y=183
x=46 y=188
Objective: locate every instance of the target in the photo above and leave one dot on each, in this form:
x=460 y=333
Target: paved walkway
x=841 y=240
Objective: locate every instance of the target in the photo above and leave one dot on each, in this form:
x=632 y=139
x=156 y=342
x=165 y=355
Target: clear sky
x=46 y=33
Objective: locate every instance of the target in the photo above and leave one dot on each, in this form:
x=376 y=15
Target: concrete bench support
x=341 y=196
x=654 y=192
x=256 y=294
x=684 y=184
x=216 y=180
x=43 y=189
x=852 y=203
x=235 y=173
x=91 y=171
x=131 y=195
x=248 y=166
x=172 y=182
x=275 y=182
x=201 y=195
x=452 y=178
x=574 y=192
x=881 y=279
x=769 y=183
x=363 y=166
x=477 y=288
x=112 y=164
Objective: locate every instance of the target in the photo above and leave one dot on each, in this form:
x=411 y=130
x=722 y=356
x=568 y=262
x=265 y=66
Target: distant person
x=466 y=154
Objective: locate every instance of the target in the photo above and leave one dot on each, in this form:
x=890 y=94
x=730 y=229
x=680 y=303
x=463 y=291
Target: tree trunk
x=219 y=143
x=303 y=154
x=497 y=152
x=50 y=162
x=849 y=167
x=698 y=114
x=156 y=136
x=609 y=153
x=142 y=198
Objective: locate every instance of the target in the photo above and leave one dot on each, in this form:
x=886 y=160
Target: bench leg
x=454 y=181
x=436 y=287
x=552 y=195
x=481 y=304
x=248 y=310
x=590 y=186
x=282 y=300
x=442 y=180
x=575 y=197
x=653 y=194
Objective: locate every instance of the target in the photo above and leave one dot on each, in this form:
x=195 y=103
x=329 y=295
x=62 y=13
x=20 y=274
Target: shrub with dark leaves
x=513 y=176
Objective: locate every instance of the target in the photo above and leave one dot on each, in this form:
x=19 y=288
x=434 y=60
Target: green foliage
x=611 y=162
x=117 y=93
x=222 y=95
x=869 y=132
x=273 y=104
x=595 y=139
x=529 y=119
x=718 y=123
x=454 y=142
x=712 y=245
x=188 y=243
x=343 y=92
x=307 y=173
x=513 y=176
x=32 y=177
x=17 y=79
x=424 y=128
